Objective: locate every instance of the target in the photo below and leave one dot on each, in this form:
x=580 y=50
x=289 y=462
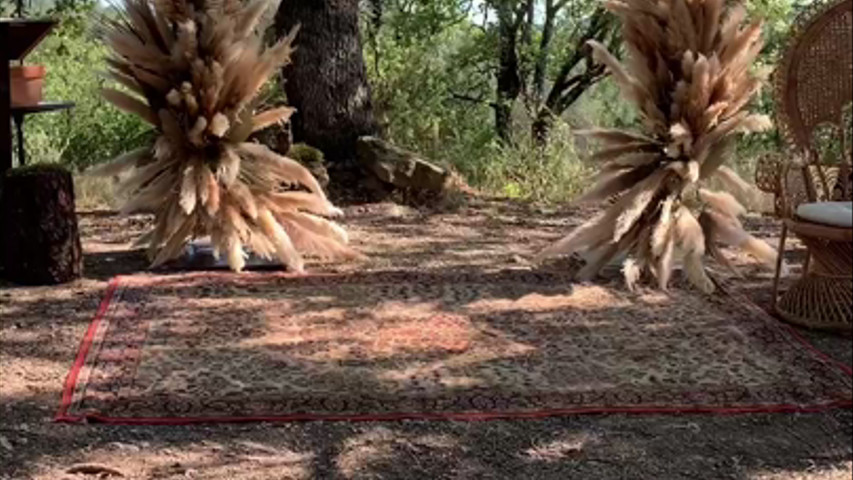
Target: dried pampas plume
x=192 y=69
x=688 y=74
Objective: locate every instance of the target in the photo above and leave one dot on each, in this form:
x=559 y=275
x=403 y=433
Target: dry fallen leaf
x=95 y=469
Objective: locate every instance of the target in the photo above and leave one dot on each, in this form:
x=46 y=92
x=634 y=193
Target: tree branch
x=598 y=28
x=468 y=98
x=544 y=48
x=559 y=5
x=520 y=13
x=578 y=85
x=567 y=88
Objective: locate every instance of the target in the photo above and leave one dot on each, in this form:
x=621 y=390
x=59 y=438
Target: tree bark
x=568 y=87
x=508 y=74
x=5 y=107
x=326 y=81
x=551 y=11
x=40 y=242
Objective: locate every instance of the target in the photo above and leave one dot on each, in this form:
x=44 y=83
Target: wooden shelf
x=24 y=35
x=41 y=107
x=18 y=37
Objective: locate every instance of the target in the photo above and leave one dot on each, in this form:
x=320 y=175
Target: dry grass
x=94 y=193
x=839 y=472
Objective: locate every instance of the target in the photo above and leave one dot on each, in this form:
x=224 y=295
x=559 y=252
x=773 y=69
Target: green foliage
x=431 y=65
x=7 y=8
x=416 y=21
x=432 y=73
x=778 y=16
x=93 y=131
x=36 y=169
x=430 y=98
x=426 y=96
x=306 y=154
x=602 y=106
x=527 y=171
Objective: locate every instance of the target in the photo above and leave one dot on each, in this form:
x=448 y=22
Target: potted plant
x=26 y=84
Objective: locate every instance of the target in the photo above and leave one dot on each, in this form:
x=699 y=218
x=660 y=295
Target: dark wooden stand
x=5 y=106
x=18 y=114
x=39 y=241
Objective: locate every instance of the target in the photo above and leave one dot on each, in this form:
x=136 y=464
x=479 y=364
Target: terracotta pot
x=26 y=84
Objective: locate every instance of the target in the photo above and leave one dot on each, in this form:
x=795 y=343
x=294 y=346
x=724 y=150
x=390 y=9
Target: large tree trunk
x=326 y=81
x=40 y=243
x=508 y=79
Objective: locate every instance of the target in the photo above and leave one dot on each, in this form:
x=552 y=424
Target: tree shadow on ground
x=47 y=326
x=596 y=447
x=590 y=447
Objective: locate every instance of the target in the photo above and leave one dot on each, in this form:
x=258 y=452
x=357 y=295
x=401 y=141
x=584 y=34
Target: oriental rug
x=216 y=347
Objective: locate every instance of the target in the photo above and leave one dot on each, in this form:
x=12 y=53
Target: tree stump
x=40 y=243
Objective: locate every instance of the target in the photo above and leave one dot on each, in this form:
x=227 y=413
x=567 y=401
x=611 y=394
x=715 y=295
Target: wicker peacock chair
x=814 y=91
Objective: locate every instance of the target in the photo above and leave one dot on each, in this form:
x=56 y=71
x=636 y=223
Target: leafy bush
x=431 y=96
x=431 y=67
x=93 y=131
x=432 y=74
x=421 y=92
x=528 y=171
x=306 y=154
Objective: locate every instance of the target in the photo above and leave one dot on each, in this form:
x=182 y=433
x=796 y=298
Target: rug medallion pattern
x=220 y=346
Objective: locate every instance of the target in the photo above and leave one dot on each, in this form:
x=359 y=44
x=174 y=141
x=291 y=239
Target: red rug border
x=62 y=415
x=471 y=416
x=83 y=351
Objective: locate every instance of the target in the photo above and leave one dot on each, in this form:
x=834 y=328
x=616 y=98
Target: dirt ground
x=40 y=329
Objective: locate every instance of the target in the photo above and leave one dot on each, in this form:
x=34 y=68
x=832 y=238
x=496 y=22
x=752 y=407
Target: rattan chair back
x=813 y=87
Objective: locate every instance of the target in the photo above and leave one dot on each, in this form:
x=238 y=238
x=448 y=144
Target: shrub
x=93 y=131
x=525 y=170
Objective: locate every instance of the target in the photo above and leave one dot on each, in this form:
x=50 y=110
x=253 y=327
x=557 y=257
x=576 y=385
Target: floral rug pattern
x=386 y=345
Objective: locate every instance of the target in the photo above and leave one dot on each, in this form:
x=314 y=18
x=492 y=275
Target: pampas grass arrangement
x=688 y=73
x=192 y=69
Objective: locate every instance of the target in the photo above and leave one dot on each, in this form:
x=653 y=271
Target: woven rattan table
x=823 y=297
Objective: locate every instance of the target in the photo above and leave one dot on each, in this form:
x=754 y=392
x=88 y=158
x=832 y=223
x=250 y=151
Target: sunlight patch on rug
x=387 y=345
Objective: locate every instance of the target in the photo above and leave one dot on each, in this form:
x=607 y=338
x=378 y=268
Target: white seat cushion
x=837 y=214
